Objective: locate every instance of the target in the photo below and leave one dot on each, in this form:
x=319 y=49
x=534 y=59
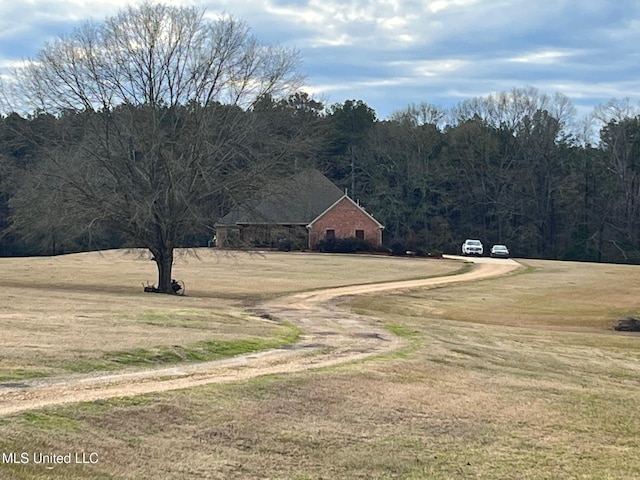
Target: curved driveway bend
x=331 y=336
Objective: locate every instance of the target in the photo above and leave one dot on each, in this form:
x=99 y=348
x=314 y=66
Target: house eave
x=266 y=224
x=379 y=225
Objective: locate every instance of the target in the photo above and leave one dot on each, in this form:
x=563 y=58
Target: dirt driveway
x=331 y=336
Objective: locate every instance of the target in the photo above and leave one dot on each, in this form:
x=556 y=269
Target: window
x=360 y=234
x=330 y=234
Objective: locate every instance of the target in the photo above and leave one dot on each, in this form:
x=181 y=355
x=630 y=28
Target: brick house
x=344 y=219
x=301 y=210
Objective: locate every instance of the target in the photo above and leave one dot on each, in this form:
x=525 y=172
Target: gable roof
x=296 y=200
x=357 y=205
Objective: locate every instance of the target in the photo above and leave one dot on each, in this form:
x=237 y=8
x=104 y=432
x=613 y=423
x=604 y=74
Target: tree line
x=528 y=182
x=145 y=129
x=515 y=168
x=512 y=168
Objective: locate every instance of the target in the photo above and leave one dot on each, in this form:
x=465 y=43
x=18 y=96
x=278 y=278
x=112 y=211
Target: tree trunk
x=164 y=261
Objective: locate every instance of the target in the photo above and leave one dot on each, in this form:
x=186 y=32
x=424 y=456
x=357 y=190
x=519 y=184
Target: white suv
x=472 y=247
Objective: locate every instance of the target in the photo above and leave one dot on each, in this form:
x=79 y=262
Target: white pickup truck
x=472 y=247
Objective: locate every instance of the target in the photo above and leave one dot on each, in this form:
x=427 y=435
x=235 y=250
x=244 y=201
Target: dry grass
x=553 y=295
x=518 y=377
x=210 y=272
x=67 y=313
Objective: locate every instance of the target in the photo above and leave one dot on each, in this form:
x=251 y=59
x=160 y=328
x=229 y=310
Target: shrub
x=344 y=245
x=402 y=246
x=398 y=246
x=284 y=244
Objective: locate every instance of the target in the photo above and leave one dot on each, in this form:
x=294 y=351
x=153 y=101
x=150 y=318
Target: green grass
x=400 y=330
x=21 y=374
x=50 y=421
x=284 y=335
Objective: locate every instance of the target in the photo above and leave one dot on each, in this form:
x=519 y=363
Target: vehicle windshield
x=499 y=247
x=473 y=242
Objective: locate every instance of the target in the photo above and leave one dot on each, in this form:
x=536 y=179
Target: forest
x=144 y=130
x=504 y=169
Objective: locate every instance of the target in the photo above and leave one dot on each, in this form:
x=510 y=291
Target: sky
x=391 y=53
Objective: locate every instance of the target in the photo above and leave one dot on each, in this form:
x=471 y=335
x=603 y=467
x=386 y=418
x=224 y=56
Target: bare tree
x=156 y=104
x=420 y=114
x=509 y=109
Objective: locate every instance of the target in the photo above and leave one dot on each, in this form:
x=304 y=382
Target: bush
x=398 y=247
x=411 y=247
x=344 y=245
x=284 y=244
x=629 y=324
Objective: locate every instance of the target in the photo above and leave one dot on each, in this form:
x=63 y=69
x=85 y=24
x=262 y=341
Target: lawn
x=518 y=377
x=88 y=311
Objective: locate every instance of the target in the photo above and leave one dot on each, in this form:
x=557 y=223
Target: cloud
x=542 y=57
x=390 y=53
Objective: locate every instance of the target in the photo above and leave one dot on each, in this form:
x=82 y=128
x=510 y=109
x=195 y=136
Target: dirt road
x=331 y=336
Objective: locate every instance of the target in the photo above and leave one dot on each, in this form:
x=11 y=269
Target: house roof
x=299 y=199
x=347 y=198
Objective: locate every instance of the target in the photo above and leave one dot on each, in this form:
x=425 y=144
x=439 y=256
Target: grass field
x=518 y=377
x=87 y=311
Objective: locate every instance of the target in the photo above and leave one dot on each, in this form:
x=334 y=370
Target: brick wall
x=345 y=218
